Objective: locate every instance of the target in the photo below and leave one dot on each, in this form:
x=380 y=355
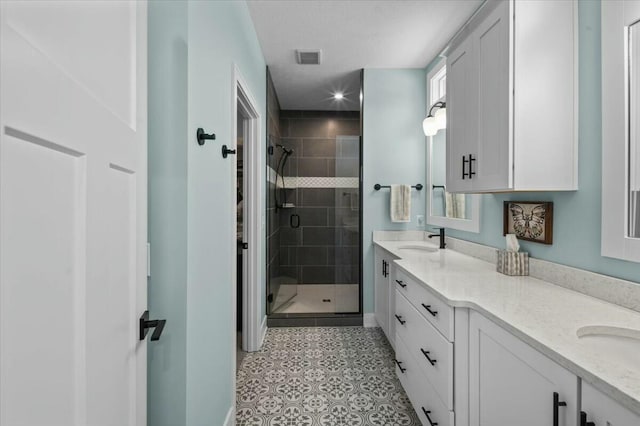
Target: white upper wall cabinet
x=512 y=99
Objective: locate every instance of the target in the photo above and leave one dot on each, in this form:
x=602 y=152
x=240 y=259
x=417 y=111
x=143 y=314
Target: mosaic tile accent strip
x=322 y=376
x=293 y=182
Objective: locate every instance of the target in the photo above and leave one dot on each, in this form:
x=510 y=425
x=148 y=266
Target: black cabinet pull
x=146 y=324
x=426 y=354
x=399 y=318
x=294 y=223
x=464 y=166
x=401 y=284
x=384 y=268
x=583 y=420
x=428 y=308
x=399 y=364
x=471 y=172
x=426 y=413
x=556 y=405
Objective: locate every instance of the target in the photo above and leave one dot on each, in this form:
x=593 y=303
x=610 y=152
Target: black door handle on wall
x=294 y=223
x=146 y=324
x=556 y=405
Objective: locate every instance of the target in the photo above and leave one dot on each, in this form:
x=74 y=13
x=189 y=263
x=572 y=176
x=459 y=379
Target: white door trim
x=254 y=172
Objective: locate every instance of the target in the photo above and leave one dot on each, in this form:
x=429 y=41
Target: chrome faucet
x=441 y=235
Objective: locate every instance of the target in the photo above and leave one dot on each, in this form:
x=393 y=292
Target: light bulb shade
x=441 y=118
x=429 y=126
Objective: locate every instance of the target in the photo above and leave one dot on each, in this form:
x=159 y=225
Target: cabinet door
x=513 y=384
x=603 y=411
x=461 y=116
x=381 y=293
x=494 y=163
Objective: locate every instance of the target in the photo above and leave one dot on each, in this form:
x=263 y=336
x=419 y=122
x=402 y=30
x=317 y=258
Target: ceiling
x=352 y=34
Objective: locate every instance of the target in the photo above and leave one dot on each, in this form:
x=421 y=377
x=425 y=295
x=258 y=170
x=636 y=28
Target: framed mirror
x=621 y=130
x=444 y=209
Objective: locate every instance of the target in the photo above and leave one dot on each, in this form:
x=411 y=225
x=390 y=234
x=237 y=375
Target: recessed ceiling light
x=338 y=96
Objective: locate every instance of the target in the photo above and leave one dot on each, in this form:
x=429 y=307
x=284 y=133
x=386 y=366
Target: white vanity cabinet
x=512 y=99
x=384 y=292
x=424 y=326
x=600 y=410
x=511 y=383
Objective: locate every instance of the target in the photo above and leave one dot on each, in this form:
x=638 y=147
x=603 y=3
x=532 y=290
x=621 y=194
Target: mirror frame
x=616 y=18
x=469 y=225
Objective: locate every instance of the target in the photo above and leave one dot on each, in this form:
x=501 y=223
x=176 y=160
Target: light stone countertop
x=544 y=315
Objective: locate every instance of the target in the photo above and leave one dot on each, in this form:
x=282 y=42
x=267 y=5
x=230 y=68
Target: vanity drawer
x=430 y=306
x=421 y=394
x=432 y=352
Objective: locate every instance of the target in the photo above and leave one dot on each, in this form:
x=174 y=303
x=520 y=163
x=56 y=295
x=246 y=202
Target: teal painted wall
x=221 y=34
x=167 y=87
x=193 y=47
x=576 y=222
x=393 y=152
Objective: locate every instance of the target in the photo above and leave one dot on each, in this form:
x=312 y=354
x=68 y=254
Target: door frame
x=253 y=327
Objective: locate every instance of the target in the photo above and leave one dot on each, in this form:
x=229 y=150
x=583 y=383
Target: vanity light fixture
x=433 y=123
x=338 y=96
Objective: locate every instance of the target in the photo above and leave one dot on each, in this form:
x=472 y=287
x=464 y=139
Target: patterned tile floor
x=322 y=376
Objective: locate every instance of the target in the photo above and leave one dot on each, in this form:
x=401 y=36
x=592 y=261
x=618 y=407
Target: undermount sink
x=414 y=249
x=622 y=345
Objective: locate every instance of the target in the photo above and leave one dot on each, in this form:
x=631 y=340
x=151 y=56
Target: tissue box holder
x=513 y=263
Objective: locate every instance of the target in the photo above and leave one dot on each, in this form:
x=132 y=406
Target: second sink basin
x=622 y=345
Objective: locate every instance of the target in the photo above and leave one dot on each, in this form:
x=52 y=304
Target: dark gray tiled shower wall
x=325 y=248
x=273 y=219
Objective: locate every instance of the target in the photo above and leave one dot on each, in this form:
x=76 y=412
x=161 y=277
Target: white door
x=72 y=213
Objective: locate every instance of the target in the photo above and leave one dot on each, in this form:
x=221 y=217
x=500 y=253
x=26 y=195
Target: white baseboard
x=230 y=420
x=369 y=320
x=263 y=332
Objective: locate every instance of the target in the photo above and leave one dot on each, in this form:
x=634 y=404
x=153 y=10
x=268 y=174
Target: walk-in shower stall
x=313 y=211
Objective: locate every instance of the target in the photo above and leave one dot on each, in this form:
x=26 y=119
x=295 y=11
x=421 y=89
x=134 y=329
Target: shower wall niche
x=314 y=212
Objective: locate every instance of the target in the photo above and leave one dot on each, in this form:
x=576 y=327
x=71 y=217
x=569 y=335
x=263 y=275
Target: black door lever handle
x=146 y=324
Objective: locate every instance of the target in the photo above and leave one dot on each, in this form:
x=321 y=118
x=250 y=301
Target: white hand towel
x=400 y=203
x=455 y=205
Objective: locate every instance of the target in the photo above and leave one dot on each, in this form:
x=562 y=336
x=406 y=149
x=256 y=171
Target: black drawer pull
x=426 y=354
x=464 y=166
x=471 y=172
x=428 y=308
x=399 y=318
x=426 y=413
x=403 y=285
x=399 y=364
x=556 y=405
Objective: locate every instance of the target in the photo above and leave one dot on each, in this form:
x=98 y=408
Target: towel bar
x=377 y=186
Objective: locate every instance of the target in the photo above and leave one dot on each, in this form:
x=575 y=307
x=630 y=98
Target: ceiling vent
x=309 y=57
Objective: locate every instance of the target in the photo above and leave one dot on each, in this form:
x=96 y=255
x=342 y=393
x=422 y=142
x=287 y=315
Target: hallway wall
x=194 y=47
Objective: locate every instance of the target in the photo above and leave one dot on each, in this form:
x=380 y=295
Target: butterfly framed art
x=529 y=220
